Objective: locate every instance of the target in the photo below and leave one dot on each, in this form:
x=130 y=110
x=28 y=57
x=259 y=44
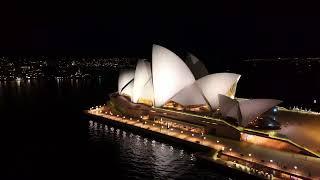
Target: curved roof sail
x=170 y=74
x=229 y=107
x=196 y=66
x=127 y=90
x=142 y=76
x=220 y=83
x=253 y=108
x=125 y=76
x=190 y=95
x=245 y=110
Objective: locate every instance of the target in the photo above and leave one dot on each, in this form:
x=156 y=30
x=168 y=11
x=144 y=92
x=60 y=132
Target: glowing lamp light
x=295 y=167
x=230 y=149
x=250 y=154
x=271 y=160
x=192 y=134
x=181 y=132
x=218 y=141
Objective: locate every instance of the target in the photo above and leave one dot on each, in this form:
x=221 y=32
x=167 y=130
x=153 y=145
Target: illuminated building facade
x=169 y=82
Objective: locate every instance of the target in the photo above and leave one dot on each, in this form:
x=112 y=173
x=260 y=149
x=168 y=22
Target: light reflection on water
x=142 y=156
x=139 y=157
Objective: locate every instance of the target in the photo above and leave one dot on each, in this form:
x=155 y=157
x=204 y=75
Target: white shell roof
x=245 y=110
x=197 y=67
x=142 y=76
x=229 y=107
x=170 y=74
x=128 y=89
x=147 y=92
x=253 y=108
x=125 y=76
x=190 y=95
x=214 y=84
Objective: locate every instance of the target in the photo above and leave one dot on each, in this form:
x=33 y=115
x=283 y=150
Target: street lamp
x=250 y=155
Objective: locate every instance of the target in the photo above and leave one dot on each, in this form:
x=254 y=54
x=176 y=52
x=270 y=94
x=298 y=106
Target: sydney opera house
x=182 y=94
x=169 y=82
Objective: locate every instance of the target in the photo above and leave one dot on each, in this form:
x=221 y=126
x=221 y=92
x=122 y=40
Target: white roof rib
x=220 y=83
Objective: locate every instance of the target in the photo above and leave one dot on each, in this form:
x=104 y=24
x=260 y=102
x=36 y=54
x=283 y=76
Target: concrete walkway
x=289 y=162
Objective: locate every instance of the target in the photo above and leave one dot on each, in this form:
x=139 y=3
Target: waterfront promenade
x=289 y=164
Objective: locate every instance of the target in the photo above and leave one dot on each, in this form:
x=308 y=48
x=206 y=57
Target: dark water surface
x=44 y=135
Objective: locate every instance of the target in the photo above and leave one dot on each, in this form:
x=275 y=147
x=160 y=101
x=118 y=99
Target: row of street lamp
x=182 y=132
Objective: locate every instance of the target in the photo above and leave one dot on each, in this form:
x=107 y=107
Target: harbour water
x=46 y=136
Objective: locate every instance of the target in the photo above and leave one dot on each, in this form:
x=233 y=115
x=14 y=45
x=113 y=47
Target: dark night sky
x=226 y=29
